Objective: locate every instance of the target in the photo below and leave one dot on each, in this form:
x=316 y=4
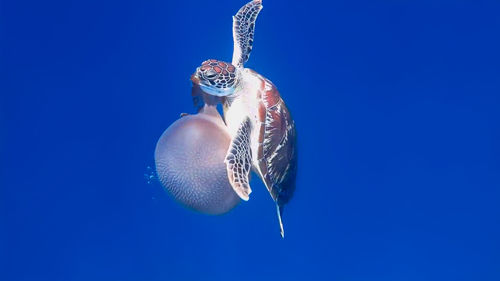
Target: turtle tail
x=279 y=211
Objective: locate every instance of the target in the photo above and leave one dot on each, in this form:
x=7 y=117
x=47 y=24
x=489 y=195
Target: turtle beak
x=195 y=79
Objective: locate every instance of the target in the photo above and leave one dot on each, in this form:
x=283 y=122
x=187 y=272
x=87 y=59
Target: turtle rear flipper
x=239 y=161
x=243 y=31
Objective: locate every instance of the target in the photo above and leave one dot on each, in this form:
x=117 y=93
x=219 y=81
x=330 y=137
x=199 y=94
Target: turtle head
x=216 y=78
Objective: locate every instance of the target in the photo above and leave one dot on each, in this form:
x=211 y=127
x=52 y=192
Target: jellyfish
x=189 y=159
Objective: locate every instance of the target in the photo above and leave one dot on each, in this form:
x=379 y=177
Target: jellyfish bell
x=189 y=160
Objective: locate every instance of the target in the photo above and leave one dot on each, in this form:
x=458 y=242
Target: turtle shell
x=277 y=148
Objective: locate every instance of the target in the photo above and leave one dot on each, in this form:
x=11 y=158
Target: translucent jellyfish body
x=189 y=160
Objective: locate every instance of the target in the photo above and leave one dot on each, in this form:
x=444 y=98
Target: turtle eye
x=210 y=75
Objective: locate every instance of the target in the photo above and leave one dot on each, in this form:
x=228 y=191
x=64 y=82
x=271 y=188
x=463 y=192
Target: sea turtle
x=262 y=131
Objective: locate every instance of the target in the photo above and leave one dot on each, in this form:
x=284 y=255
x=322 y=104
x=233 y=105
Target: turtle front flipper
x=243 y=31
x=239 y=161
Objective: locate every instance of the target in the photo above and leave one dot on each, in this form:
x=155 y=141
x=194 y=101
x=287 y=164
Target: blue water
x=397 y=110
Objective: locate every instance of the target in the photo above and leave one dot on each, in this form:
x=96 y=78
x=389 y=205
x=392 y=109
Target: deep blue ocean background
x=397 y=110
